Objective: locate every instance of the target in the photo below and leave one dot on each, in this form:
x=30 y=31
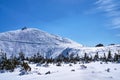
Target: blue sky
x=88 y=22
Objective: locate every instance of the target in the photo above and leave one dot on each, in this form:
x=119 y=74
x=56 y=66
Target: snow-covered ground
x=32 y=41
x=94 y=71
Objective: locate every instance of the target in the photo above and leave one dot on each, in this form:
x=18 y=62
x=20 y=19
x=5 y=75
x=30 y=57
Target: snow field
x=94 y=71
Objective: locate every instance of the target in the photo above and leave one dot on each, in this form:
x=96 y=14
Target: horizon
x=86 y=22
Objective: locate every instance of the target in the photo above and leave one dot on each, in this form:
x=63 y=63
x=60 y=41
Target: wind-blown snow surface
x=94 y=71
x=32 y=40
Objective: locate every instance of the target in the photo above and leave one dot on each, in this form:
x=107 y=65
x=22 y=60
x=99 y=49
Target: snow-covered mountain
x=32 y=40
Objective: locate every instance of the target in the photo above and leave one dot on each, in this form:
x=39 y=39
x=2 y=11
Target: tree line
x=21 y=61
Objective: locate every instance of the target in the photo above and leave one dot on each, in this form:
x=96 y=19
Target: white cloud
x=111 y=8
x=116 y=22
x=114 y=13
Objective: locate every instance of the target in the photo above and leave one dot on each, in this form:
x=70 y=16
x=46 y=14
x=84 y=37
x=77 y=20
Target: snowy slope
x=94 y=71
x=91 y=51
x=32 y=40
x=101 y=50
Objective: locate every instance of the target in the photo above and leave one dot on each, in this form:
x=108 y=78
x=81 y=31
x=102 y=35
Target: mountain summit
x=31 y=41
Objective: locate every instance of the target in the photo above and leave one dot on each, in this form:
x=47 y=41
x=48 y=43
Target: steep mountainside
x=32 y=40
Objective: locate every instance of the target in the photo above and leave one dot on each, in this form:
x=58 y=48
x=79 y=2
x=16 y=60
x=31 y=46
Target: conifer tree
x=109 y=58
x=96 y=57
